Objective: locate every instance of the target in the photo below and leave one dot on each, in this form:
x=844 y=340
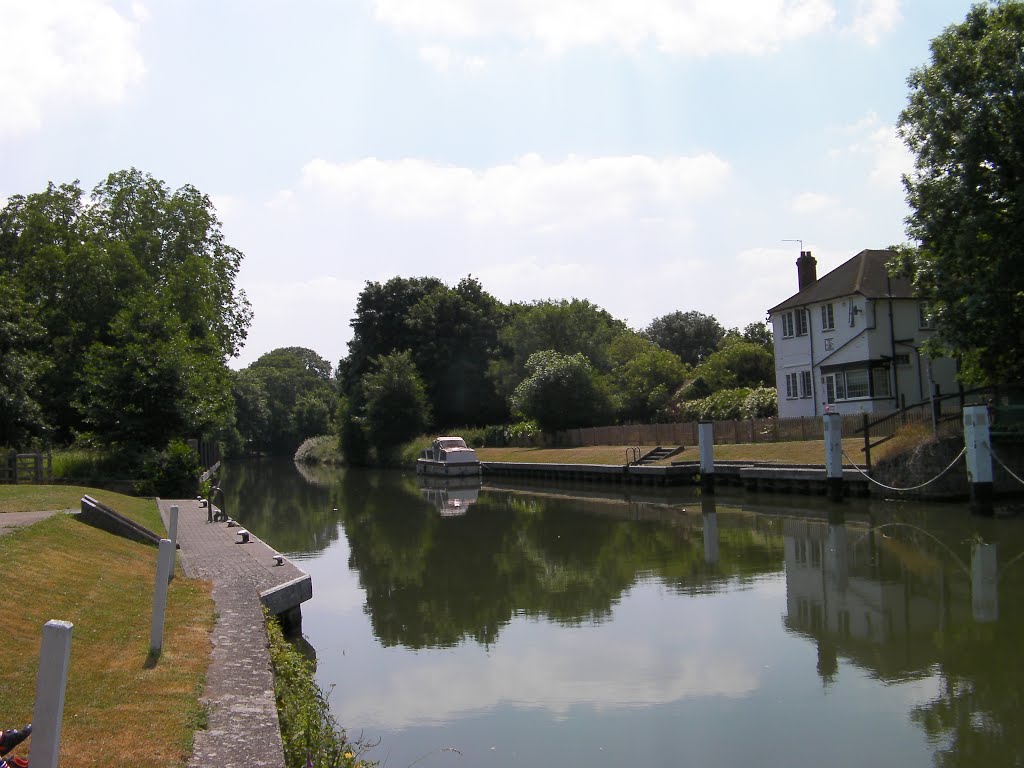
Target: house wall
x=860 y=332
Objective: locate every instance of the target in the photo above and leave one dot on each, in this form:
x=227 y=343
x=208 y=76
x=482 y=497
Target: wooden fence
x=25 y=467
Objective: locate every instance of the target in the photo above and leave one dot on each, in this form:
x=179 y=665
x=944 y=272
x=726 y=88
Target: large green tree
x=284 y=397
x=131 y=266
x=561 y=392
x=964 y=122
x=396 y=406
x=691 y=335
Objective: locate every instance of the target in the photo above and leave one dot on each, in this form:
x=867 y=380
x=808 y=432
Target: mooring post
x=164 y=562
x=51 y=682
x=979 y=458
x=984 y=582
x=172 y=530
x=706 y=437
x=834 y=455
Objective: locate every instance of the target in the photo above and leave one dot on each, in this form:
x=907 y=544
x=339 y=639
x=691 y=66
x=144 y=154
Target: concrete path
x=243 y=729
x=10 y=521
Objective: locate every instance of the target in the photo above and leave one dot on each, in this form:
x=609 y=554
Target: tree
x=964 y=122
x=691 y=335
x=565 y=327
x=643 y=377
x=89 y=266
x=21 y=417
x=282 y=398
x=737 y=364
x=760 y=333
x=561 y=392
x=396 y=405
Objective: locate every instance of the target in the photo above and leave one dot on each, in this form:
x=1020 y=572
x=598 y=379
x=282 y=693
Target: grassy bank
x=119 y=709
x=798 y=452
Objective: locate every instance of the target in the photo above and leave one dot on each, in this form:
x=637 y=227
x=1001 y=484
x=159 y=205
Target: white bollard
x=706 y=437
x=172 y=530
x=834 y=454
x=164 y=562
x=51 y=683
x=977 y=441
x=984 y=582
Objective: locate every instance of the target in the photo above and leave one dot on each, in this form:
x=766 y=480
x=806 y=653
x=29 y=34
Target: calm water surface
x=571 y=625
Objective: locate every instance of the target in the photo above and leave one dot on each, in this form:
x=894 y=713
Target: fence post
x=172 y=531
x=979 y=458
x=833 y=424
x=706 y=437
x=51 y=683
x=164 y=562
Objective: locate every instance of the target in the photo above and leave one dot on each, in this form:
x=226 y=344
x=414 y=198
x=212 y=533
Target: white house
x=851 y=341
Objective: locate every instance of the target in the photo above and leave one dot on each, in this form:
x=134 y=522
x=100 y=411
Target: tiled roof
x=865 y=274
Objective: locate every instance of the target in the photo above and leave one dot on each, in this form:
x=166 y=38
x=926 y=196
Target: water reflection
x=591 y=607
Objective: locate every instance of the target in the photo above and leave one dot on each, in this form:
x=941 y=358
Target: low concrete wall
x=931 y=457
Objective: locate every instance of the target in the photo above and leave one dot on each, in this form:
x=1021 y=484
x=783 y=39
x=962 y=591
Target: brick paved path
x=243 y=728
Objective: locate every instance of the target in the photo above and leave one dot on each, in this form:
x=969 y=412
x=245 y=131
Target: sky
x=646 y=155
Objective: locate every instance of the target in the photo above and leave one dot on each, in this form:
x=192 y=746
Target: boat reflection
x=451 y=496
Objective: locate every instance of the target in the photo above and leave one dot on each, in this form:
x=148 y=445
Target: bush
x=172 y=473
x=523 y=433
x=761 y=403
x=322 y=449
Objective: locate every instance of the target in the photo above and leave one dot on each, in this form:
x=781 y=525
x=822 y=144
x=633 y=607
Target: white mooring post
x=984 y=582
x=172 y=531
x=51 y=682
x=834 y=455
x=164 y=562
x=706 y=437
x=979 y=458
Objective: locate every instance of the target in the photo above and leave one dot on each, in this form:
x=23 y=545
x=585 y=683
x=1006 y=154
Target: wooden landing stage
x=752 y=476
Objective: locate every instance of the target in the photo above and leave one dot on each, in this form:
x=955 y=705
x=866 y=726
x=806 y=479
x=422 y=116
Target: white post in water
x=979 y=458
x=51 y=682
x=984 y=582
x=706 y=437
x=834 y=455
x=172 y=531
x=164 y=563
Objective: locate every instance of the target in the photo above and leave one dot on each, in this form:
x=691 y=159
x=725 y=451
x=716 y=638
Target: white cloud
x=444 y=59
x=529 y=194
x=886 y=153
x=59 y=52
x=813 y=202
x=875 y=18
x=687 y=27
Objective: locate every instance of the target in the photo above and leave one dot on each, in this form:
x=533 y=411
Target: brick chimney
x=806 y=270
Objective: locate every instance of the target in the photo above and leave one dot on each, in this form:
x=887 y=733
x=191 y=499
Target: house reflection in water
x=874 y=600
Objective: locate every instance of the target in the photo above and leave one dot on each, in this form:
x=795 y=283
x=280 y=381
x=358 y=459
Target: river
x=606 y=626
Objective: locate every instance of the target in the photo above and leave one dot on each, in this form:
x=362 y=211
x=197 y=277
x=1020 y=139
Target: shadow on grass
x=152 y=658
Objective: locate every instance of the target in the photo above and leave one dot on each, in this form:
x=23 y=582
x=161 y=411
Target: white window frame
x=924 y=321
x=806 y=387
x=828 y=317
x=792 y=393
x=801 y=322
x=787 y=325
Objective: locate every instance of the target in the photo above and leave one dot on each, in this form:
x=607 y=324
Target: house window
x=828 y=317
x=857 y=383
x=901 y=359
x=830 y=344
x=924 y=316
x=880 y=382
x=805 y=384
x=787 y=325
x=791 y=386
x=801 y=322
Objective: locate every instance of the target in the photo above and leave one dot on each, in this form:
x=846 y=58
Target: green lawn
x=119 y=710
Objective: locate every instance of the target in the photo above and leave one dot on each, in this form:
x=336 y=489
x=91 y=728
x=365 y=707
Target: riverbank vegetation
x=120 y=709
x=312 y=737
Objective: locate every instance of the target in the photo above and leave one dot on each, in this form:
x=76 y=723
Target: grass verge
x=118 y=710
x=796 y=452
